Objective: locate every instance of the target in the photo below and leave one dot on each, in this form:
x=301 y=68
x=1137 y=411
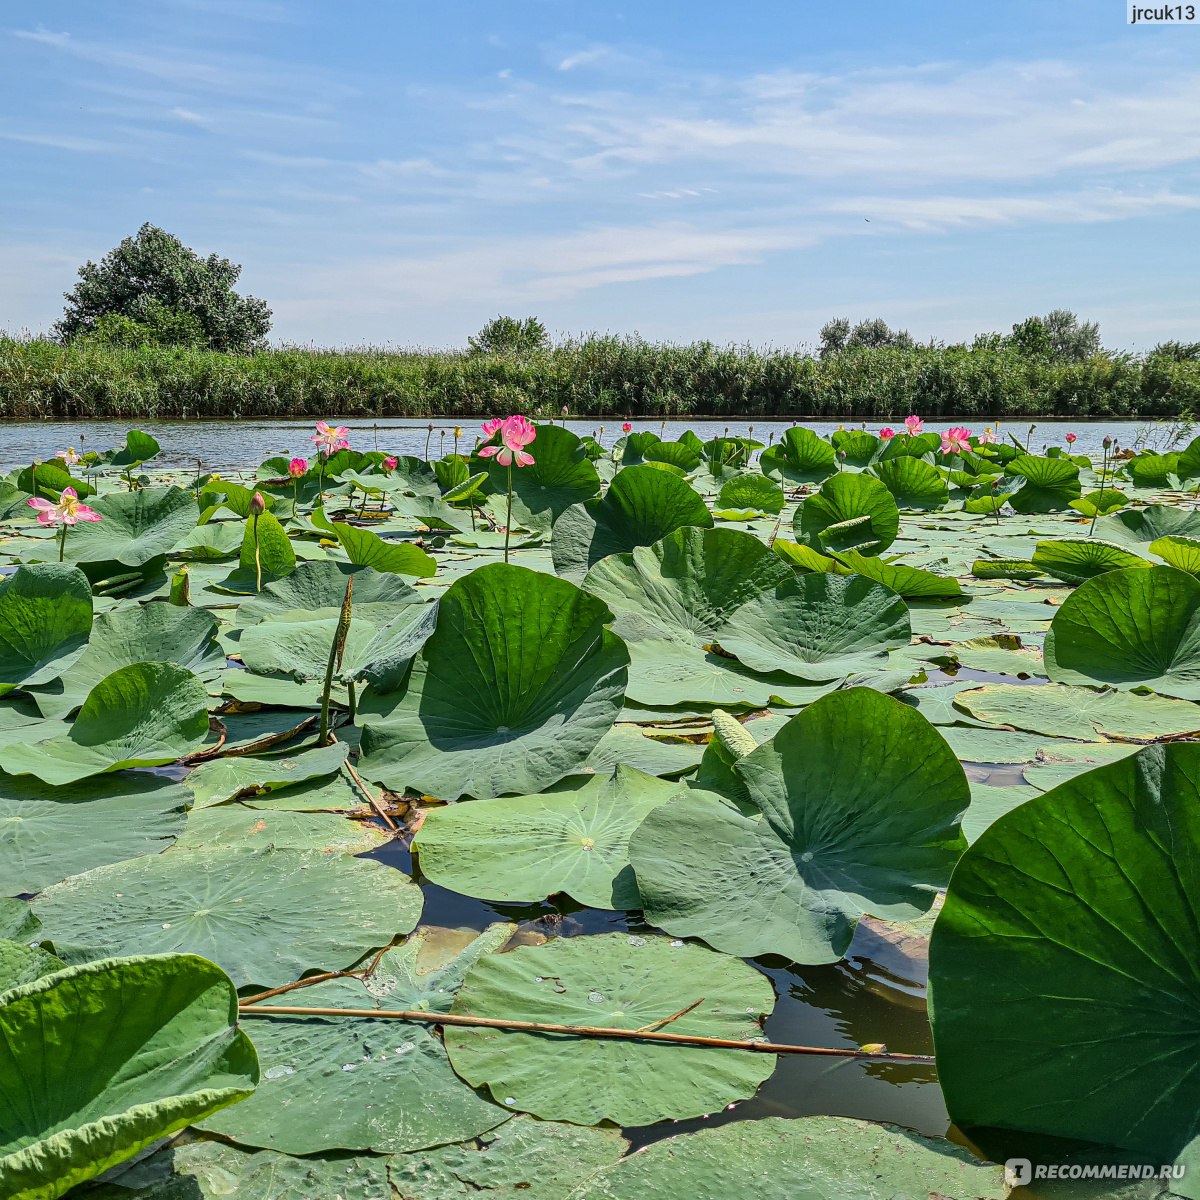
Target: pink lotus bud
x=627 y=428
x=297 y=467
x=258 y=505
x=390 y=463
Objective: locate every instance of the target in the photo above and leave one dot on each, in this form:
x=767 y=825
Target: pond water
x=245 y=443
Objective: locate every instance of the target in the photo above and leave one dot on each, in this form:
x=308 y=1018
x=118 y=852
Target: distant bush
x=507 y=335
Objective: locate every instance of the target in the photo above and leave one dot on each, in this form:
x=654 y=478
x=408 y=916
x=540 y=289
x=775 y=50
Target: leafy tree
x=1059 y=335
x=1177 y=351
x=507 y=335
x=177 y=297
x=834 y=335
x=838 y=335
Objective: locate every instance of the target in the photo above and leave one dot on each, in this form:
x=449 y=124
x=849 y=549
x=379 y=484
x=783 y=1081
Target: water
x=238 y=444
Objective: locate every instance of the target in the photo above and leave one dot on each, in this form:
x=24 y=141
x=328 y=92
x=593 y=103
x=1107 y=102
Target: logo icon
x=1018 y=1172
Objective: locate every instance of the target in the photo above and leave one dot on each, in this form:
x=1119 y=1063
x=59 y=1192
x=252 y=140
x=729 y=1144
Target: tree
x=169 y=293
x=1059 y=335
x=838 y=335
x=834 y=335
x=507 y=335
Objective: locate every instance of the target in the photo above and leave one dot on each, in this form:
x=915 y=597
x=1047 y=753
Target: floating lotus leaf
x=915 y=484
x=818 y=627
x=1133 y=629
x=367 y=549
x=1050 y=484
x=910 y=583
x=48 y=833
x=21 y=963
x=1003 y=654
x=1074 y=917
x=641 y=506
x=45 y=619
x=321 y=585
x=628 y=745
x=1180 y=552
x=238 y=825
x=801 y=456
x=810 y=1158
x=619 y=981
x=143 y=715
x=803 y=558
x=520 y=849
x=513 y=690
x=1147 y=524
x=224 y=779
x=840 y=834
x=361 y=1084
x=296 y=645
x=1077 y=559
x=266 y=916
x=138 y=526
x=17 y=920
x=125 y=1052
x=850 y=512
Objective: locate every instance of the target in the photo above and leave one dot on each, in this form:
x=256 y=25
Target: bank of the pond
x=600 y=377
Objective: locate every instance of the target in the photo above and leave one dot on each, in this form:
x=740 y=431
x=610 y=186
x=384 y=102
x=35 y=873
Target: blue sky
x=393 y=172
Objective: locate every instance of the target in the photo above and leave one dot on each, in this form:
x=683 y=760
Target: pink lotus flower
x=297 y=467
x=913 y=425
x=68 y=510
x=887 y=433
x=955 y=440
x=391 y=463
x=1071 y=439
x=988 y=436
x=329 y=438
x=515 y=434
x=69 y=456
x=627 y=428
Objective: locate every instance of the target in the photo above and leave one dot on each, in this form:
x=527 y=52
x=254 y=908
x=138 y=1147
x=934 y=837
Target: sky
x=394 y=173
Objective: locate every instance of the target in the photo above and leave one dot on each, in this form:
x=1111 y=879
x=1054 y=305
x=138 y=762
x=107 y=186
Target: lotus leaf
x=850 y=512
x=45 y=619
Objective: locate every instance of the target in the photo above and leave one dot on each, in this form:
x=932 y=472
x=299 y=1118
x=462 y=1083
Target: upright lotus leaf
x=125 y=1052
x=139 y=448
x=859 y=446
x=143 y=715
x=266 y=916
x=367 y=549
x=1100 y=503
x=1050 y=484
x=850 y=512
x=45 y=619
x=617 y=981
x=1151 y=469
x=276 y=559
x=750 y=491
x=127 y=635
x=817 y=627
x=675 y=454
x=223 y=779
x=321 y=585
x=905 y=445
x=512 y=691
x=48 y=482
x=521 y=849
x=138 y=526
x=803 y=558
x=632 y=447
x=362 y=1084
x=48 y=833
x=807 y=1158
x=1136 y=525
x=642 y=505
x=1180 y=552
x=383 y=661
x=1074 y=916
x=1133 y=628
x=1075 y=559
x=21 y=963
x=536 y=1160
x=801 y=456
x=841 y=833
x=915 y=483
x=910 y=583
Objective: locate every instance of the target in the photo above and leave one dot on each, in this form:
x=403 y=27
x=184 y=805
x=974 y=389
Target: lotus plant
x=258 y=506
x=913 y=425
x=329 y=439
x=956 y=439
x=297 y=469
x=69 y=457
x=515 y=434
x=886 y=433
x=390 y=463
x=67 y=512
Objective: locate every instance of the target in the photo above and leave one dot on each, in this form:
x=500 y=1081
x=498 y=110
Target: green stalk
x=508 y=517
x=1103 y=476
x=62 y=542
x=335 y=659
x=428 y=436
x=257 y=558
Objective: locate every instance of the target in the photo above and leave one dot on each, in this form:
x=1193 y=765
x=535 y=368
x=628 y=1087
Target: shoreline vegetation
x=599 y=376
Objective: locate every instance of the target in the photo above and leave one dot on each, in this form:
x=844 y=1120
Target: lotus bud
x=258 y=505
x=1107 y=443
x=297 y=467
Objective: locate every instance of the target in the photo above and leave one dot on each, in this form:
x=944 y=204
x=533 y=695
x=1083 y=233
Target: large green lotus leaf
x=1077 y=559
x=1180 y=552
x=319 y=587
x=411 y=474
x=143 y=715
x=810 y=1158
x=905 y=445
x=296 y=645
x=362 y=1084
x=915 y=483
x=139 y=447
x=17 y=920
x=1151 y=469
x=1050 y=484
x=48 y=833
x=222 y=779
x=513 y=690
x=239 y=825
x=675 y=454
x=617 y=981
x=841 y=834
x=45 y=619
x=751 y=491
x=276 y=557
x=1077 y=712
x=266 y=916
x=1140 y=525
x=1074 y=917
x=629 y=745
x=204 y=1170
x=1003 y=654
x=383 y=662
x=367 y=549
x=850 y=512
x=212 y=542
x=818 y=627
x=1100 y=503
x=1134 y=628
x=137 y=526
x=642 y=505
x=21 y=963
x=911 y=583
x=524 y=1157
x=859 y=446
x=520 y=849
x=800 y=457
x=686 y=586
x=125 y=1052
x=157 y=630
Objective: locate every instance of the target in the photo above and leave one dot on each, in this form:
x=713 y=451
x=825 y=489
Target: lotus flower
x=391 y=463
x=329 y=438
x=297 y=467
x=626 y=428
x=887 y=433
x=68 y=510
x=69 y=456
x=913 y=425
x=956 y=439
x=1071 y=439
x=515 y=434
x=988 y=436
